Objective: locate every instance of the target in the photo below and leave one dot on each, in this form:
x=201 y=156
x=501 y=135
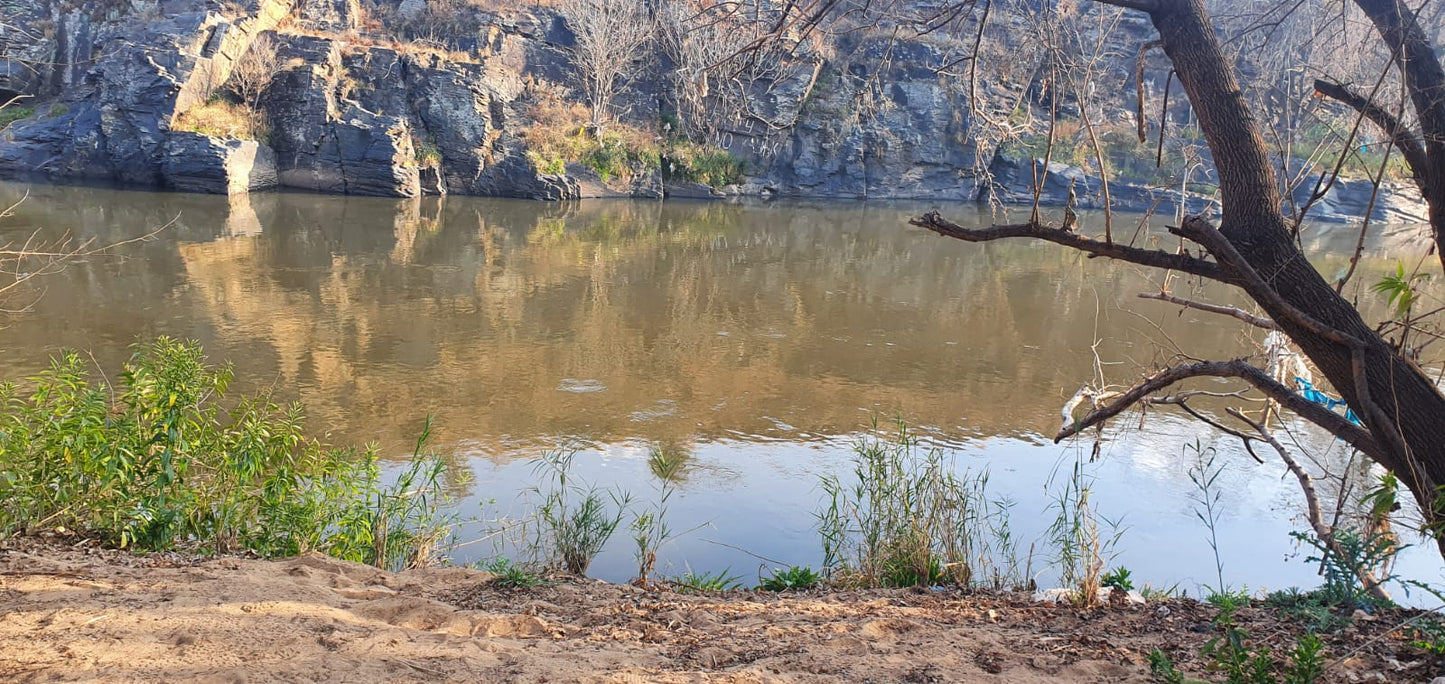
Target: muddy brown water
x=762 y=340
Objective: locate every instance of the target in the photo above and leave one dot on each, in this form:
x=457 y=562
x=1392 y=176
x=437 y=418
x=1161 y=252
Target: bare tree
x=610 y=35
x=255 y=71
x=725 y=59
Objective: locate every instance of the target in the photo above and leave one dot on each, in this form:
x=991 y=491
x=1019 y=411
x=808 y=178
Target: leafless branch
x=1330 y=421
x=1068 y=238
x=1257 y=321
x=1404 y=139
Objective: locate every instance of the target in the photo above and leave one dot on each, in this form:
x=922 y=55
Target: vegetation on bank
x=562 y=134
x=165 y=458
x=12 y=113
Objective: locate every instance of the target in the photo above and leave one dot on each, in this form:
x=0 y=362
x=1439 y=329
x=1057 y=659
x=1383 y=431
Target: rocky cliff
x=365 y=97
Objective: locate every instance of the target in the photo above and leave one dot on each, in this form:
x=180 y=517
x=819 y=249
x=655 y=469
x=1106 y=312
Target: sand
x=85 y=614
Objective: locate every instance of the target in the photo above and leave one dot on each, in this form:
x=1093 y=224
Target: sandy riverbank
x=83 y=614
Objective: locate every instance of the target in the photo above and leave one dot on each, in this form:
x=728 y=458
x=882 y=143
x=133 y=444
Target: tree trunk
x=1399 y=404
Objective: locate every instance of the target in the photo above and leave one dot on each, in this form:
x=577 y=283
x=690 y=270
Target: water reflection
x=755 y=339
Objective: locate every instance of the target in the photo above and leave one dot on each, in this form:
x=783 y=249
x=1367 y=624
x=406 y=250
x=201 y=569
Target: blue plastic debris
x=1308 y=391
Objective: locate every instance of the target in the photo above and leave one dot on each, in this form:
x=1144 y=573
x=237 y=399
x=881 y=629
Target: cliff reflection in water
x=517 y=324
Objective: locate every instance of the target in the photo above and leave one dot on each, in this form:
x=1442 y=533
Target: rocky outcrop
x=327 y=143
x=1349 y=200
x=354 y=107
x=112 y=120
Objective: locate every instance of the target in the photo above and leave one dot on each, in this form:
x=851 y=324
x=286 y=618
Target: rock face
x=199 y=163
x=353 y=107
x=912 y=144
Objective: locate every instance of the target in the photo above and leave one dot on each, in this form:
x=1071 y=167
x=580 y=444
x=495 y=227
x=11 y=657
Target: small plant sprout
x=693 y=582
x=1204 y=473
x=1118 y=578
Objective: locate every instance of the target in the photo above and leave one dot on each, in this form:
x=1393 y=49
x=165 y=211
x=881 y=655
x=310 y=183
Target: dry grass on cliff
x=221 y=119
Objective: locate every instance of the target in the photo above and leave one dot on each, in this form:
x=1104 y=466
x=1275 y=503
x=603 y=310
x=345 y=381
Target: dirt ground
x=83 y=614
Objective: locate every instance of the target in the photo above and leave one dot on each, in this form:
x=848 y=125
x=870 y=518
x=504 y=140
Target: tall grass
x=164 y=461
x=574 y=519
x=649 y=528
x=1204 y=474
x=908 y=517
x=1081 y=548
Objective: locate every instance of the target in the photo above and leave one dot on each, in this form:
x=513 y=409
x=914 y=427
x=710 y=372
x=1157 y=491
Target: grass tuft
x=13 y=113
x=908 y=518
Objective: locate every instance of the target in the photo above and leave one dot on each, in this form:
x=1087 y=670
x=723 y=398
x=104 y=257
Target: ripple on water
x=580 y=386
x=663 y=408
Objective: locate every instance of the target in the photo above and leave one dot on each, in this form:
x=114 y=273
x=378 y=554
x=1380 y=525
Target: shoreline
x=76 y=612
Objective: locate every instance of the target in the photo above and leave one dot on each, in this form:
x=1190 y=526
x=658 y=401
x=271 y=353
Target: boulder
x=1396 y=202
x=691 y=190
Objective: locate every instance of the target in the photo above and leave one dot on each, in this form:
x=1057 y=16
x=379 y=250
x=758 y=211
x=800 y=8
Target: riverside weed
x=649 y=528
x=158 y=462
x=796 y=578
x=907 y=518
x=1163 y=669
x=1233 y=654
x=1428 y=635
x=510 y=575
x=1311 y=609
x=574 y=519
x=722 y=580
x=1351 y=557
x=1204 y=473
x=1118 y=578
x=1081 y=549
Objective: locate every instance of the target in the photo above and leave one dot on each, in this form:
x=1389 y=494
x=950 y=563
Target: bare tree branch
x=1402 y=137
x=1232 y=312
x=1141 y=5
x=1324 y=531
x=1330 y=421
x=1068 y=238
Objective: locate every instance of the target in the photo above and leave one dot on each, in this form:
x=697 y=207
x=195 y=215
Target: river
x=760 y=340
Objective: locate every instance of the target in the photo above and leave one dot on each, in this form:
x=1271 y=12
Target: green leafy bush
x=160 y=462
x=795 y=578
